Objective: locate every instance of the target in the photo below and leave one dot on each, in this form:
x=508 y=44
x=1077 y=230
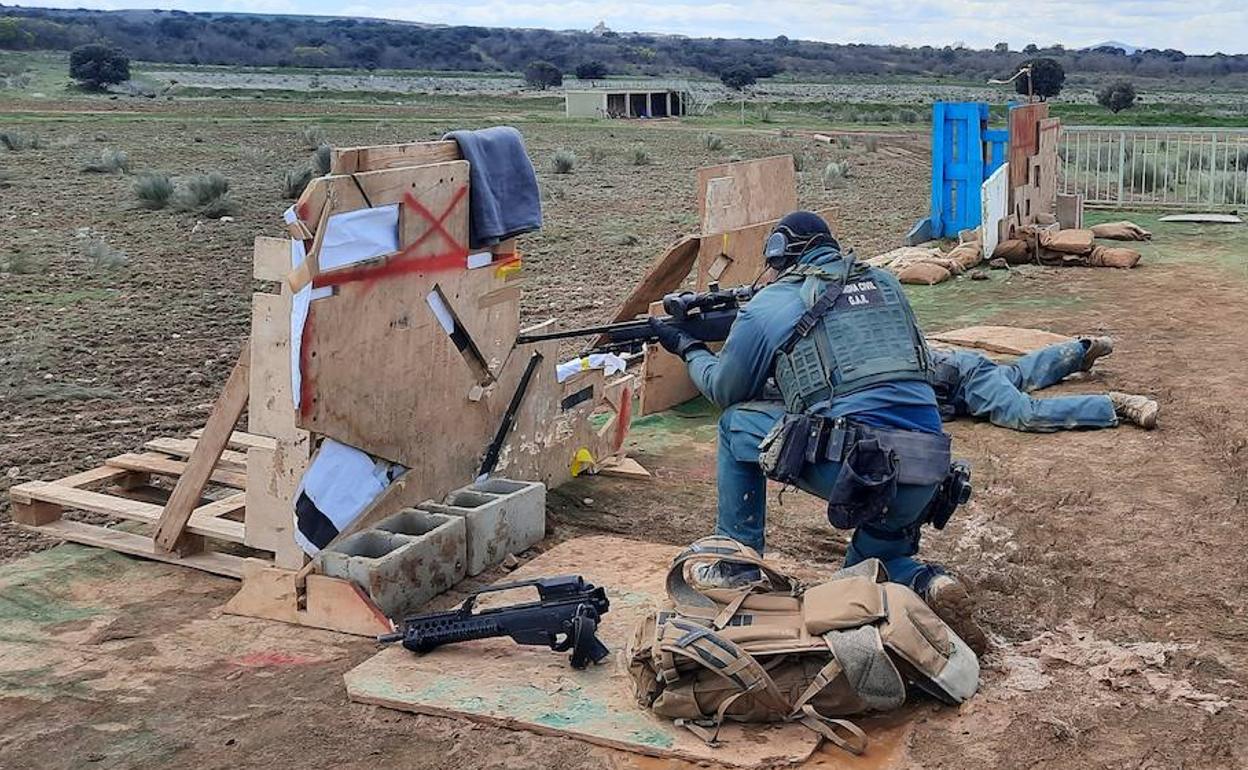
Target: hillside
x=308 y=41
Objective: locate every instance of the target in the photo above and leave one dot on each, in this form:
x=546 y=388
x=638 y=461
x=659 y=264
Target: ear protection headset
x=786 y=245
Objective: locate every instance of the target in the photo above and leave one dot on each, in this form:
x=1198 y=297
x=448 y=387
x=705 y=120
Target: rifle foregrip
x=418 y=638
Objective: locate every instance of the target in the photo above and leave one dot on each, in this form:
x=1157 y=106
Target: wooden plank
x=208 y=448
x=665 y=377
x=270 y=405
x=332 y=604
x=666 y=275
x=742 y=252
x=1070 y=211
x=994 y=198
x=1000 y=339
x=270 y=258
x=33 y=513
x=182 y=448
x=94 y=477
x=527 y=687
x=750 y=191
x=623 y=467
x=241 y=440
x=351 y=160
x=272 y=479
x=1024 y=139
x=126 y=508
x=223 y=507
x=139 y=545
x=162 y=465
x=1044 y=175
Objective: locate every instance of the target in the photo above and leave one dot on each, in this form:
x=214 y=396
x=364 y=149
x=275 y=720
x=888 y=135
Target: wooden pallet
x=122 y=488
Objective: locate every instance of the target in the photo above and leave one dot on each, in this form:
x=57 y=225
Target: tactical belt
x=923 y=458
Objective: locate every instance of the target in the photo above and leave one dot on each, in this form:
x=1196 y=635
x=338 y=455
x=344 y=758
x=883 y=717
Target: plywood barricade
x=379 y=371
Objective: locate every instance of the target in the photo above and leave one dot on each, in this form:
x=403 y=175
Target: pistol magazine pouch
x=865 y=486
x=777 y=650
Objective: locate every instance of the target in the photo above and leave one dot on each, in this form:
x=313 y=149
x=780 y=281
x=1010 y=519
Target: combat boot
x=1140 y=410
x=952 y=603
x=1097 y=347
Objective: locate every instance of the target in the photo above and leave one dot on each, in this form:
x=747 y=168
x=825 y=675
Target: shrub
x=102 y=255
x=597 y=154
x=843 y=141
x=16 y=141
x=313 y=136
x=713 y=142
x=207 y=195
x=21 y=263
x=834 y=174
x=639 y=157
x=765 y=114
x=1117 y=96
x=908 y=116
x=799 y=162
x=563 y=162
x=543 y=75
x=110 y=161
x=1222 y=187
x=153 y=189
x=322 y=159
x=591 y=70
x=295 y=180
x=738 y=77
x=95 y=66
x=1146 y=175
x=872 y=143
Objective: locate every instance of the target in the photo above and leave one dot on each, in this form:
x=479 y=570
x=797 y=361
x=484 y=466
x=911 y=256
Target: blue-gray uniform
x=970 y=384
x=877 y=396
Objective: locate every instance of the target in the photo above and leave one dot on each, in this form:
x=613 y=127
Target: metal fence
x=1136 y=167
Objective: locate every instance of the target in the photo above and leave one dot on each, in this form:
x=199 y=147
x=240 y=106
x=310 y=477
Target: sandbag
x=1121 y=231
x=1113 y=256
x=967 y=255
x=1067 y=241
x=1014 y=251
x=926 y=273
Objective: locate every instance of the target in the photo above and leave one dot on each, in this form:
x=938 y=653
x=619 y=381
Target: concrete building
x=626 y=102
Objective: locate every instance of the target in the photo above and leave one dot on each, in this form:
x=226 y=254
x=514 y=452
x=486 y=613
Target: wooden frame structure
x=367 y=381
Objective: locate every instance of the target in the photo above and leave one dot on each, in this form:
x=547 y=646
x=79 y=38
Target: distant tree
x=543 y=75
x=738 y=77
x=95 y=66
x=1031 y=49
x=1117 y=96
x=781 y=41
x=1045 y=79
x=1002 y=48
x=591 y=70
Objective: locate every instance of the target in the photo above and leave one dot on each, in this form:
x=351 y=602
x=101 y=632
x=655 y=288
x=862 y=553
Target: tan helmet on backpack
x=776 y=650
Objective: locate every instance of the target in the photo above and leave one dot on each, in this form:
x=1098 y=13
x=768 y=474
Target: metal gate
x=1138 y=167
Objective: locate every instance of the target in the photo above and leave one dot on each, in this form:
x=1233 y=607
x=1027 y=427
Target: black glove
x=673 y=340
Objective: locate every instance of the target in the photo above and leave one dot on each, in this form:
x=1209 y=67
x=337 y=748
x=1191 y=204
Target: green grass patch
x=1222 y=245
x=964 y=302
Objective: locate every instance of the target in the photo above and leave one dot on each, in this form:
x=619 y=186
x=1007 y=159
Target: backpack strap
x=693 y=603
x=855 y=744
x=699 y=644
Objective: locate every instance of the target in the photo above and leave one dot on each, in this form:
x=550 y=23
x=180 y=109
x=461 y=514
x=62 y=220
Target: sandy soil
x=1109 y=565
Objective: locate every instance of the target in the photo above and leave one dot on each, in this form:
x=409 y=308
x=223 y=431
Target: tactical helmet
x=794 y=235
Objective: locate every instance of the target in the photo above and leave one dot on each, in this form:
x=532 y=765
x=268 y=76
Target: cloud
x=1195 y=27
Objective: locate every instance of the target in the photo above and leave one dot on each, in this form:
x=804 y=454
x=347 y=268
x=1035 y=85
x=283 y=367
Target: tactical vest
x=868 y=337
x=780 y=651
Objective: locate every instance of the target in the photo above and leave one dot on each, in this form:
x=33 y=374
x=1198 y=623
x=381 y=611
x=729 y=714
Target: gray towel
x=504 y=200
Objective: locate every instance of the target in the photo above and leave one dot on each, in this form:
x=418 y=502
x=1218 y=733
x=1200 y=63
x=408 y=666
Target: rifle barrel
x=584 y=331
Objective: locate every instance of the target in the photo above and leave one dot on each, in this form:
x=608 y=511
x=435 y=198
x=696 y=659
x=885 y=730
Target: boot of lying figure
x=1094 y=348
x=1139 y=410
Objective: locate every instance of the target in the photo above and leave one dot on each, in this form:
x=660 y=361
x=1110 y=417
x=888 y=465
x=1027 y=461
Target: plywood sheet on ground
x=1000 y=339
x=498 y=682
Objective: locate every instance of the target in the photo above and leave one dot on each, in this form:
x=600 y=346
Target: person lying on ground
x=970 y=384
x=840 y=339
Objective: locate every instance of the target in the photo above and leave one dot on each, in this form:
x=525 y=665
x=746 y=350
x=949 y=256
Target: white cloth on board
x=609 y=362
x=299 y=309
x=354 y=236
x=341 y=481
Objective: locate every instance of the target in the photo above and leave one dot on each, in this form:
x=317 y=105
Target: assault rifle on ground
x=706 y=316
x=567 y=607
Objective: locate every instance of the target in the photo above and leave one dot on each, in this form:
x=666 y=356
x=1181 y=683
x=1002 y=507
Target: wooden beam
x=353 y=160
x=96 y=476
x=127 y=508
x=242 y=441
x=223 y=507
x=182 y=448
x=138 y=545
x=199 y=466
x=161 y=465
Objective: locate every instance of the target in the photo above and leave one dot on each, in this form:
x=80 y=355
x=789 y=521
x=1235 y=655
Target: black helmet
x=793 y=236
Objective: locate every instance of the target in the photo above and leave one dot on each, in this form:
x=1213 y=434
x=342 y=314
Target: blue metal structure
x=964 y=153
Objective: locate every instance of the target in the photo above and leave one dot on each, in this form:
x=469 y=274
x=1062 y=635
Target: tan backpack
x=780 y=651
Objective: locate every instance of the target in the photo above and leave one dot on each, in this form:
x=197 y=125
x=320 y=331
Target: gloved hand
x=673 y=340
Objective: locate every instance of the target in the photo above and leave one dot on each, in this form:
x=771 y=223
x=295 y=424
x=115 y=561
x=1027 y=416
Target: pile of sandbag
x=1047 y=244
x=930 y=265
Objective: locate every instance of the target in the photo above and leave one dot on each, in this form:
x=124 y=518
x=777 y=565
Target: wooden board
x=994 y=200
x=352 y=160
x=270 y=406
x=1070 y=211
x=272 y=479
x=1000 y=339
x=1024 y=139
x=270 y=258
x=735 y=195
x=497 y=682
x=665 y=377
x=1044 y=168
x=735 y=258
x=666 y=275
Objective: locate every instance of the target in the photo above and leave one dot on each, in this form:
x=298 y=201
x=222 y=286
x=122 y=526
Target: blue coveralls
x=999 y=391
x=734 y=380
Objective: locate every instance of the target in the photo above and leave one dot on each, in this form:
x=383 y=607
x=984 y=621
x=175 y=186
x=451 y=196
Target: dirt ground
x=1109 y=565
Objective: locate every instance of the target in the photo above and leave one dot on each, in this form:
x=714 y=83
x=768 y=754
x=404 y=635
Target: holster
x=865 y=486
x=783 y=452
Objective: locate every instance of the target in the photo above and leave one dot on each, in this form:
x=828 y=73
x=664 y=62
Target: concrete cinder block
x=404 y=561
x=502 y=517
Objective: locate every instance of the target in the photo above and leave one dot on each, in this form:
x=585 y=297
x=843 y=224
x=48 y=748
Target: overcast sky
x=1195 y=26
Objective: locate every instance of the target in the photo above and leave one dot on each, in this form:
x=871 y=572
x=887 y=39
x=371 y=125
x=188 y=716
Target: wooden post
x=199 y=466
